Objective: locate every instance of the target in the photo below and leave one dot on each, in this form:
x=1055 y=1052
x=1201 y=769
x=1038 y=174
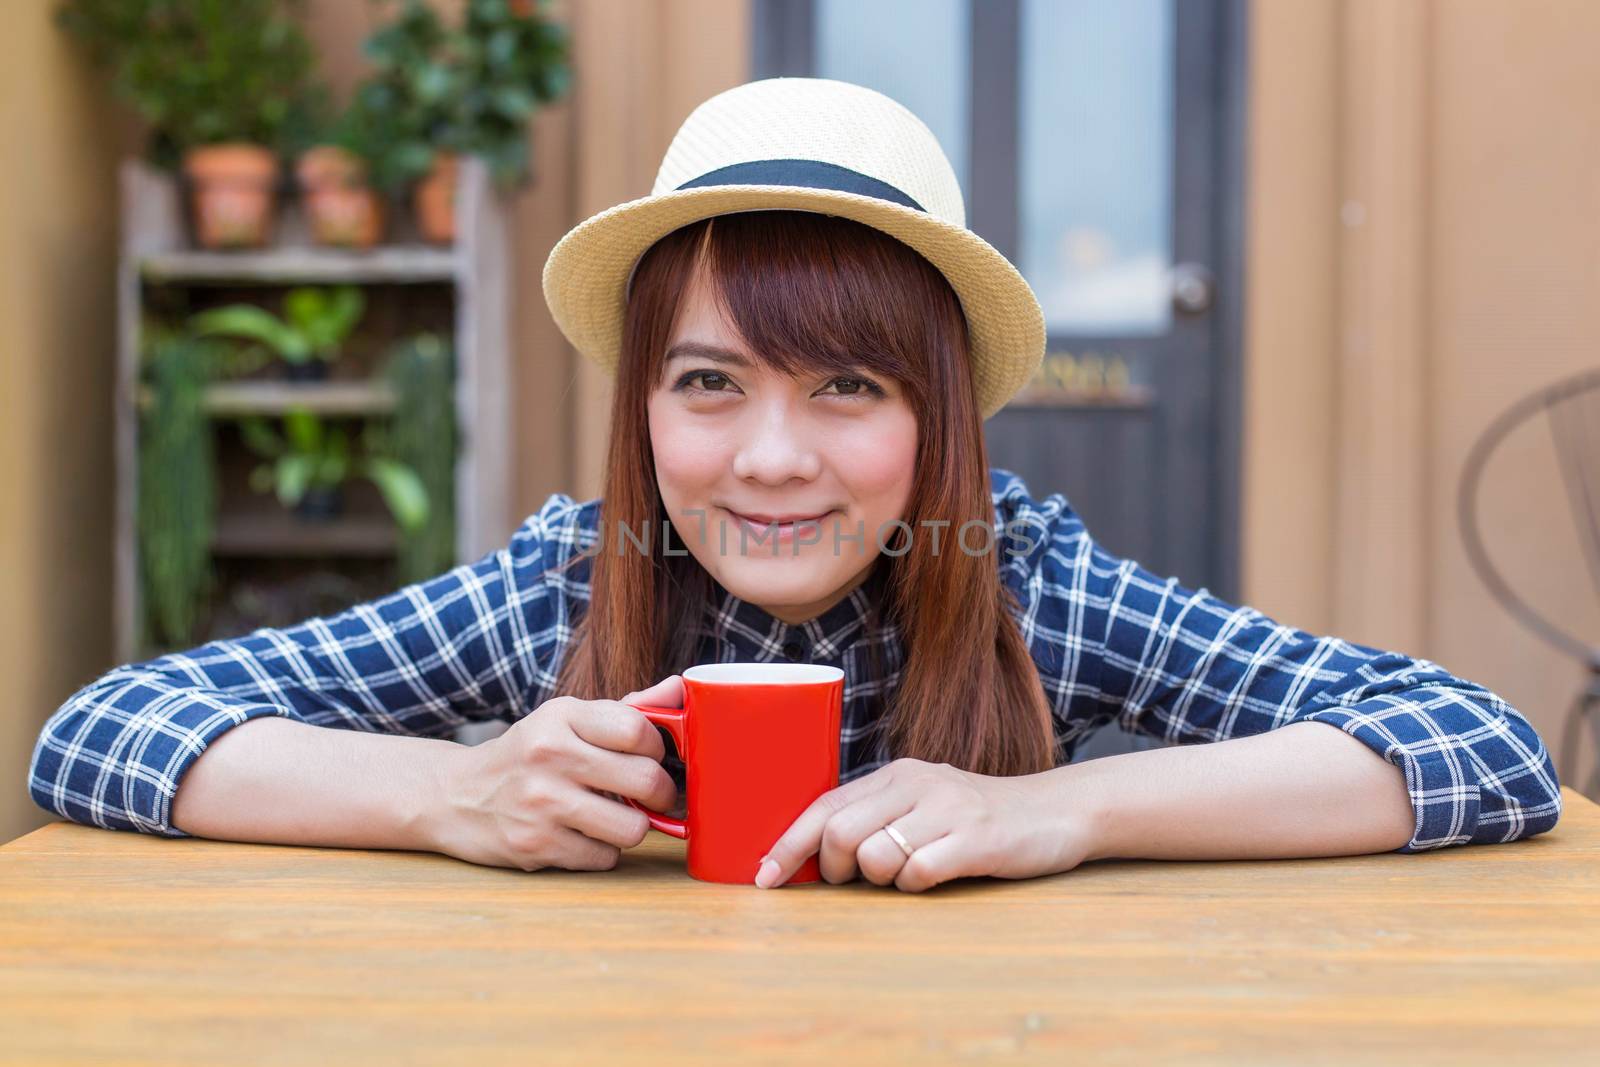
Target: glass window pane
x=916 y=51
x=1095 y=173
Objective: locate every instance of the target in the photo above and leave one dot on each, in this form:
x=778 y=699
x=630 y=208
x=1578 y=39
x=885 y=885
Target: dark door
x=1099 y=147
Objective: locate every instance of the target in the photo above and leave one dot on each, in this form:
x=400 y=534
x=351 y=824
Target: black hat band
x=804 y=173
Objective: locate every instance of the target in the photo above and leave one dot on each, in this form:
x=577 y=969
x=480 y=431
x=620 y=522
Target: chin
x=777 y=583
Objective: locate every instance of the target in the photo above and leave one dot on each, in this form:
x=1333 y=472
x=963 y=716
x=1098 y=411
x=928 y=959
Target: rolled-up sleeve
x=475 y=643
x=1476 y=769
x=1116 y=642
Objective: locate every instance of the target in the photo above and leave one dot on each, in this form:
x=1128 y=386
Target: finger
x=576 y=851
x=938 y=861
x=607 y=821
x=612 y=725
x=637 y=777
x=804 y=835
x=849 y=828
x=667 y=693
x=880 y=856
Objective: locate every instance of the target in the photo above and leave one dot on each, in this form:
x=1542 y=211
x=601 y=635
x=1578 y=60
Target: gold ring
x=899 y=839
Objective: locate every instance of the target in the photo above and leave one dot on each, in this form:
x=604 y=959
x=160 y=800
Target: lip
x=783 y=533
x=762 y=519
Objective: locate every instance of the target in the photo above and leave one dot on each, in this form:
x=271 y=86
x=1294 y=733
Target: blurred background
x=1320 y=278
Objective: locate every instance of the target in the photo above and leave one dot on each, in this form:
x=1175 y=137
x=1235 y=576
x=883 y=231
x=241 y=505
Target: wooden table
x=118 y=947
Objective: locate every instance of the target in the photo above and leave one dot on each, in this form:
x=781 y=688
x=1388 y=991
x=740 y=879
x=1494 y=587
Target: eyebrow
x=714 y=353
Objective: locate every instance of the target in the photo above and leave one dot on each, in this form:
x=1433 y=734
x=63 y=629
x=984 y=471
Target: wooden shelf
x=1125 y=398
x=286 y=535
x=461 y=292
x=232 y=399
x=294 y=264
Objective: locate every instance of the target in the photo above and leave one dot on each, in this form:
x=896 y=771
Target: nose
x=776 y=448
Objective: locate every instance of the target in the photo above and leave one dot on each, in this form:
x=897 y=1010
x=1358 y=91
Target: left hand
x=958 y=824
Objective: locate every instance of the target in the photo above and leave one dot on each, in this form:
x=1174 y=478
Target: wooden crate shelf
x=287 y=536
x=233 y=399
x=159 y=271
x=294 y=265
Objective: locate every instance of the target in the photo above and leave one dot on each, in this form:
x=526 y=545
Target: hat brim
x=586 y=275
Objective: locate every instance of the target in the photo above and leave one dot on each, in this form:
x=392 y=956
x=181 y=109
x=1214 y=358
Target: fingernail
x=767 y=875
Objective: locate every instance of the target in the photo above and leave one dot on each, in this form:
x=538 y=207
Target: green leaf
x=402 y=490
x=304 y=306
x=250 y=323
x=345 y=308
x=515 y=103
x=294 y=475
x=202 y=71
x=324 y=317
x=259 y=436
x=337 y=446
x=331 y=469
x=304 y=430
x=502 y=47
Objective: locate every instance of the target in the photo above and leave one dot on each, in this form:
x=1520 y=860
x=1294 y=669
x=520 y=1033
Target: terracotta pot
x=233 y=186
x=435 y=200
x=341 y=208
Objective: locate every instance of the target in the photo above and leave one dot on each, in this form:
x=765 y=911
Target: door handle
x=1194 y=288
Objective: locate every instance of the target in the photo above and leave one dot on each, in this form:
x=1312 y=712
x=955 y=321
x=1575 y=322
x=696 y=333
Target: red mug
x=759 y=743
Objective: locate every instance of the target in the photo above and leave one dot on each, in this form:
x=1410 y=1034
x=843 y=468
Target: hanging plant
x=422 y=436
x=176 y=487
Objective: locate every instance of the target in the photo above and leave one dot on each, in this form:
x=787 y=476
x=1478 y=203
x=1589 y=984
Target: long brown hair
x=808 y=291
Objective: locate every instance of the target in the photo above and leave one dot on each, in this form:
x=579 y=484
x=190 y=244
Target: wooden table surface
x=120 y=947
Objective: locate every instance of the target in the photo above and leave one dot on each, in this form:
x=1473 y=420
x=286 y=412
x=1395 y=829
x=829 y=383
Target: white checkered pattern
x=1112 y=641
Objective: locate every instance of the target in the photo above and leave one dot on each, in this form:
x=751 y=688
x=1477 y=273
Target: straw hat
x=807 y=144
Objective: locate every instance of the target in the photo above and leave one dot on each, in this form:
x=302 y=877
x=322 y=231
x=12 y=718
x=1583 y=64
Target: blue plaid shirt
x=1111 y=641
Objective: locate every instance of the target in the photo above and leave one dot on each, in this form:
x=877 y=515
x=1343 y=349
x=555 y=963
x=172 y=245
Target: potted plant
x=310 y=461
x=223 y=88
x=401 y=114
x=315 y=324
x=439 y=92
x=512 y=61
x=342 y=208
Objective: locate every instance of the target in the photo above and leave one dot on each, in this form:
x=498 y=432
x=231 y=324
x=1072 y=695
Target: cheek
x=877 y=460
x=687 y=462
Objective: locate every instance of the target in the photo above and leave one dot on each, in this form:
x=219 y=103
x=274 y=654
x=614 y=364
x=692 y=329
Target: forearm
x=279 y=781
x=1306 y=789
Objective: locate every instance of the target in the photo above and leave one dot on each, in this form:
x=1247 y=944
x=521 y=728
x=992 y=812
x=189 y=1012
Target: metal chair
x=1570 y=410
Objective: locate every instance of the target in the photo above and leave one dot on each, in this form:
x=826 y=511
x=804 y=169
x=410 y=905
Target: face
x=768 y=479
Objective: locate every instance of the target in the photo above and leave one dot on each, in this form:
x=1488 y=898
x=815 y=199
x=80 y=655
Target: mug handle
x=672 y=720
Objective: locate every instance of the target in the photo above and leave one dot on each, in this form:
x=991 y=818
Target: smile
x=765 y=528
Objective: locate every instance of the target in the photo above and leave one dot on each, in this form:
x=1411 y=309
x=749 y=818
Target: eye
x=710 y=382
x=848 y=386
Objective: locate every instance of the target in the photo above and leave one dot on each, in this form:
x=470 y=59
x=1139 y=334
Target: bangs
x=808 y=292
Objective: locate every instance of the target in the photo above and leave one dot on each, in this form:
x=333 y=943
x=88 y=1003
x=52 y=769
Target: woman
x=806 y=339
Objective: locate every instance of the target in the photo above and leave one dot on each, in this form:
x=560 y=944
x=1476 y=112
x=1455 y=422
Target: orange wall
x=1424 y=181
x=57 y=257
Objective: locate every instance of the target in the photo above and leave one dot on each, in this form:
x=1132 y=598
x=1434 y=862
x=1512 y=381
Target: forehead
x=701 y=317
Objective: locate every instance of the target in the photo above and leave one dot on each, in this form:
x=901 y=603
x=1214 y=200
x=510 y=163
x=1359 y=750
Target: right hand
x=546 y=792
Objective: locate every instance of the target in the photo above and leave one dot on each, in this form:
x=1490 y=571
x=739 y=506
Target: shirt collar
x=755 y=632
